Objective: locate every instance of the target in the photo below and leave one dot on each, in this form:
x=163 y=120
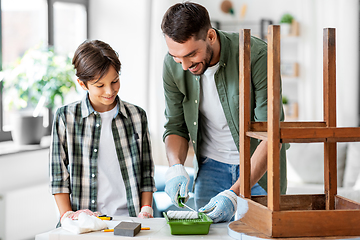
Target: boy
x=100 y=157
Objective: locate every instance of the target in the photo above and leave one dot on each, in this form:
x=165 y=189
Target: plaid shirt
x=74 y=151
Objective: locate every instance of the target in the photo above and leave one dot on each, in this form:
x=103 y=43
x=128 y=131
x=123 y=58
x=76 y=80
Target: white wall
x=132 y=28
x=27 y=207
x=125 y=26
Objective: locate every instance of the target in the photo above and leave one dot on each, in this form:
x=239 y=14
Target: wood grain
x=244 y=105
x=273 y=118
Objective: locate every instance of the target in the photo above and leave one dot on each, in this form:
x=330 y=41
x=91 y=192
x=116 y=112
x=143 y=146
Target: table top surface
x=159 y=229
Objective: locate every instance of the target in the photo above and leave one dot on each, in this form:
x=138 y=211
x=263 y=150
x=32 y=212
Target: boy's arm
x=146 y=203
x=146 y=198
x=63 y=202
x=59 y=176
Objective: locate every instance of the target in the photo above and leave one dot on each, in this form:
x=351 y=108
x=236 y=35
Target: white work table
x=159 y=229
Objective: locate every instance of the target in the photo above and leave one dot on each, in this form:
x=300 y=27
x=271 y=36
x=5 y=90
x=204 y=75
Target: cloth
x=182 y=89
x=217 y=142
x=214 y=177
x=85 y=223
x=75 y=215
x=111 y=192
x=74 y=153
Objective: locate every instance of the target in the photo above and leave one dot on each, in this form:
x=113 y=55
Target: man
x=201 y=87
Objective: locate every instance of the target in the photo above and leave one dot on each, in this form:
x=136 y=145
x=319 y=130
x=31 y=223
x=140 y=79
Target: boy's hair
x=92 y=60
x=185 y=20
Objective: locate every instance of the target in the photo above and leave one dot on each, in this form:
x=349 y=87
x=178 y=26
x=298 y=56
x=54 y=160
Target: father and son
x=100 y=153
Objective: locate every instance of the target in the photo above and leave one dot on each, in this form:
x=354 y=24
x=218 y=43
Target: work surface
x=159 y=229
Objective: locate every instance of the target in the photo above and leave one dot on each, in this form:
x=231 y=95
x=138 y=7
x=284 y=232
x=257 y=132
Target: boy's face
x=102 y=93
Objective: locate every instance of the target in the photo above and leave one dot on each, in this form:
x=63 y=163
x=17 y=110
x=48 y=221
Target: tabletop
x=159 y=229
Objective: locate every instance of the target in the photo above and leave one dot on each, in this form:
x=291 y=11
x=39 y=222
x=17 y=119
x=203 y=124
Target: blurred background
x=38 y=39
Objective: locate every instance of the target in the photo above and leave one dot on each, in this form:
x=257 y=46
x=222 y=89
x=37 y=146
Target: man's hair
x=185 y=20
x=92 y=60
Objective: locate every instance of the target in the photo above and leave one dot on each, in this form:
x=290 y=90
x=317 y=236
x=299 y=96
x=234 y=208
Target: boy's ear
x=82 y=84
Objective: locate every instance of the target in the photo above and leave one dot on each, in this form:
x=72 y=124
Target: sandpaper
x=129 y=229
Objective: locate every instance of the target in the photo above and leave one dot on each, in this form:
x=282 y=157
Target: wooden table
x=239 y=230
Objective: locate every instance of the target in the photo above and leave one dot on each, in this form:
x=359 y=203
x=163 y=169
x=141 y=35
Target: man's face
x=193 y=55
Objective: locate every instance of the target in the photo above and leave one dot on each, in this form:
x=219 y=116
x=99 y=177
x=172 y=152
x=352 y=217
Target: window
x=69 y=21
x=25 y=24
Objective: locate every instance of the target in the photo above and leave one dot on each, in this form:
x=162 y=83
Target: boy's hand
x=75 y=215
x=177 y=181
x=146 y=212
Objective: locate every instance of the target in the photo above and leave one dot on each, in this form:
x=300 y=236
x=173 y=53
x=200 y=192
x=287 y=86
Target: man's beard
x=207 y=61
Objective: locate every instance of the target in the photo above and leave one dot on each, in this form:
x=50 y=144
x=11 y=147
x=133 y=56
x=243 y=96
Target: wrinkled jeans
x=215 y=177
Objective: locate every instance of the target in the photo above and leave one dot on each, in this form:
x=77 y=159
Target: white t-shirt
x=217 y=142
x=111 y=191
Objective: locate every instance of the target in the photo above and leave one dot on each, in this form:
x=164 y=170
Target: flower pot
x=27 y=129
x=285 y=29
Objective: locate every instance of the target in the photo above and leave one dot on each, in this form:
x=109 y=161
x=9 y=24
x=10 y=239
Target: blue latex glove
x=176 y=184
x=222 y=207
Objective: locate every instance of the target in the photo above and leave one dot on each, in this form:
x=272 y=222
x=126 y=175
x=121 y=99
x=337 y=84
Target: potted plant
x=285 y=23
x=39 y=79
x=285 y=102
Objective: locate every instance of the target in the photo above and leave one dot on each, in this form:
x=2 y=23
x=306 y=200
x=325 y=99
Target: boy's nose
x=109 y=90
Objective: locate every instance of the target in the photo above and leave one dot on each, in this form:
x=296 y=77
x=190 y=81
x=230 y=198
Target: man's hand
x=177 y=182
x=222 y=207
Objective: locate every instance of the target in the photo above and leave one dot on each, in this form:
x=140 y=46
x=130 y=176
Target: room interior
x=132 y=28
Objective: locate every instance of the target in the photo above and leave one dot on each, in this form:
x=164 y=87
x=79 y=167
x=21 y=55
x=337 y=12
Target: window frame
x=51 y=3
x=5 y=135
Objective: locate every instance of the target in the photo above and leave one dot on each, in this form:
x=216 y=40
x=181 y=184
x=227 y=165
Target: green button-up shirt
x=182 y=94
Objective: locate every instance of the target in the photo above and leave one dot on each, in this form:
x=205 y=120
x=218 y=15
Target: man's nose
x=186 y=64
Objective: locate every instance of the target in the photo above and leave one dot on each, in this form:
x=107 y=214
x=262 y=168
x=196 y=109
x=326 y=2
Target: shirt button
x=95 y=150
x=194 y=123
x=93 y=201
x=93 y=175
x=193 y=141
x=97 y=125
x=195 y=101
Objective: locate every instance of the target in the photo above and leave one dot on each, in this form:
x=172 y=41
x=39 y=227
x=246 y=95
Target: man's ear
x=211 y=36
x=82 y=84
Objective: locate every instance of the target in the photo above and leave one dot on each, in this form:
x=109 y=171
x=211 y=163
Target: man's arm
x=176 y=149
x=258 y=167
x=177 y=179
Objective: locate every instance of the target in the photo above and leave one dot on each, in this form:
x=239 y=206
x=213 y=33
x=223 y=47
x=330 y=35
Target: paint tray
x=200 y=225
